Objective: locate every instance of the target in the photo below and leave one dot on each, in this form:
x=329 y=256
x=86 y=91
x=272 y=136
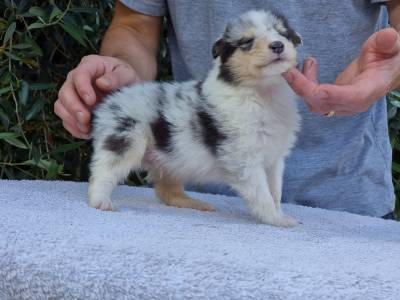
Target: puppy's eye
x=291 y=36
x=245 y=44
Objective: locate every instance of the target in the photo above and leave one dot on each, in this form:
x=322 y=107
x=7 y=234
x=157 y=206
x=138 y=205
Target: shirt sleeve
x=156 y=8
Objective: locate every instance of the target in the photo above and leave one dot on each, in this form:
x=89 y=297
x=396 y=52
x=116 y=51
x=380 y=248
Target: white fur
x=258 y=118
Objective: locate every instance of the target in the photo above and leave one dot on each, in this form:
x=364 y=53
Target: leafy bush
x=394 y=131
x=42 y=41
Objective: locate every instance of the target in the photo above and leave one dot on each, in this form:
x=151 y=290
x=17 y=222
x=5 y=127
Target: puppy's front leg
x=275 y=180
x=254 y=188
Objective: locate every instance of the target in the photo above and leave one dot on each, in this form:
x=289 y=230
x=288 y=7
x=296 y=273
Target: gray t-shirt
x=340 y=163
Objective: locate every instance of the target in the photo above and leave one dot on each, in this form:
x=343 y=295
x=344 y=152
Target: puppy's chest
x=266 y=131
x=265 y=124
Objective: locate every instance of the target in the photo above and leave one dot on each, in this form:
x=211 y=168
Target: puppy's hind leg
x=170 y=191
x=109 y=166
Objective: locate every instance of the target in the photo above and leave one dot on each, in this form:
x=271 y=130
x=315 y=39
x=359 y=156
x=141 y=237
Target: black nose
x=277 y=47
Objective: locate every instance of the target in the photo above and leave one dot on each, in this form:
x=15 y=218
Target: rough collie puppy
x=235 y=127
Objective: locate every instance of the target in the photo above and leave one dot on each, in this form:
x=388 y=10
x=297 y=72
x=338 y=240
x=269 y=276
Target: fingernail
x=105 y=81
x=82 y=128
x=80 y=116
x=288 y=76
x=321 y=95
x=87 y=98
x=310 y=63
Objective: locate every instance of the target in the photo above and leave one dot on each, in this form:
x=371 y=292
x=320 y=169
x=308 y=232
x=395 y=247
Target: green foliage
x=394 y=131
x=41 y=42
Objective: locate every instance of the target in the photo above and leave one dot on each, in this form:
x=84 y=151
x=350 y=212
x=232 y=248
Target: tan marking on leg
x=170 y=191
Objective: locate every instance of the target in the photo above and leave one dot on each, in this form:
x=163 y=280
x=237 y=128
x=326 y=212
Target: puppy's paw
x=102 y=205
x=285 y=221
x=279 y=220
x=201 y=206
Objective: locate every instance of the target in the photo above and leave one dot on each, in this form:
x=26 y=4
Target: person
x=342 y=160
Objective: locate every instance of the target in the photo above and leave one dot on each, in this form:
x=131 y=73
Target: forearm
x=122 y=42
x=394 y=14
x=134 y=38
x=394 y=20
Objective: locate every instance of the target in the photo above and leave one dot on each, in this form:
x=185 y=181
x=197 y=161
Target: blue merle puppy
x=235 y=127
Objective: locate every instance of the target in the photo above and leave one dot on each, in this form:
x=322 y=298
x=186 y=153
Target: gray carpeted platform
x=53 y=246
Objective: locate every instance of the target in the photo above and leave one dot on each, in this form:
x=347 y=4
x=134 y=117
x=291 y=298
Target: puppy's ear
x=217 y=48
x=295 y=38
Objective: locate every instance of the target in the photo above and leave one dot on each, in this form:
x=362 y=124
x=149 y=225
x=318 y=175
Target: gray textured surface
x=53 y=246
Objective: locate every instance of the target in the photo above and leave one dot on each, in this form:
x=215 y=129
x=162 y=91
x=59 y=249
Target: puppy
x=235 y=127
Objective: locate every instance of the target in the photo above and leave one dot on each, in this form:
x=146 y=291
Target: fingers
x=310 y=69
x=70 y=123
x=71 y=101
x=109 y=73
x=300 y=84
x=70 y=108
x=324 y=98
x=82 y=81
x=356 y=97
x=120 y=76
x=90 y=68
x=72 y=129
x=78 y=94
x=386 y=41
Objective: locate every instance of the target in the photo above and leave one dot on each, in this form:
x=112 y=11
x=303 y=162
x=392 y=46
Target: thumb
x=120 y=76
x=383 y=43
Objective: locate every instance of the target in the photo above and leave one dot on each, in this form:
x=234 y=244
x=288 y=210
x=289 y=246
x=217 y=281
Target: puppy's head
x=256 y=45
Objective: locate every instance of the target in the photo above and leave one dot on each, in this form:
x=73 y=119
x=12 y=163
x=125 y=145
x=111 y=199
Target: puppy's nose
x=277 y=47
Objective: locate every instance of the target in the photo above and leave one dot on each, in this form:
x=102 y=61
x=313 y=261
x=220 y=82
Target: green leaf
x=55 y=13
x=395 y=103
x=42 y=163
x=5 y=90
x=51 y=166
x=76 y=32
x=35 y=153
x=52 y=170
x=396 y=167
x=11 y=138
x=35 y=109
x=88 y=28
x=11 y=55
x=392 y=112
x=36 y=25
x=10 y=32
x=22 y=46
x=89 y=10
x=9 y=173
x=40 y=86
x=396 y=94
x=24 y=93
x=67 y=147
x=5 y=120
x=36 y=51
x=5 y=79
x=37 y=11
x=5 y=135
x=16 y=142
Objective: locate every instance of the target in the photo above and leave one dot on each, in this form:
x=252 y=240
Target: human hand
x=369 y=77
x=94 y=77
